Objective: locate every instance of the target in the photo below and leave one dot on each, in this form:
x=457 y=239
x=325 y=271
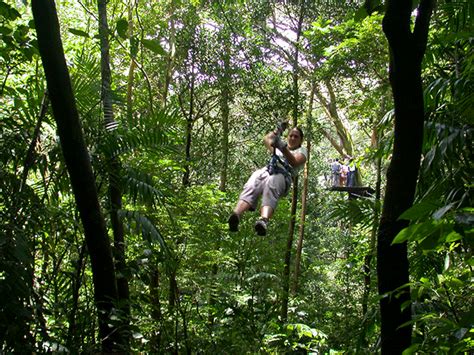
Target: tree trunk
x=115 y=191
x=299 y=245
x=171 y=55
x=406 y=53
x=106 y=76
x=225 y=110
x=329 y=105
x=79 y=167
x=367 y=267
x=72 y=341
x=189 y=127
x=294 y=197
x=131 y=68
x=225 y=99
x=156 y=313
x=304 y=195
x=289 y=245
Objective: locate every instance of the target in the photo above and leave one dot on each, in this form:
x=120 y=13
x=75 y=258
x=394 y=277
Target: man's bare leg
x=266 y=212
x=241 y=207
x=234 y=218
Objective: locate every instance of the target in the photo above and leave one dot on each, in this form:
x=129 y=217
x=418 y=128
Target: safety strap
x=278 y=166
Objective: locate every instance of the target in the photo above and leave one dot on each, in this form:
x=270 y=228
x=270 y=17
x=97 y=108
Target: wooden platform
x=354 y=191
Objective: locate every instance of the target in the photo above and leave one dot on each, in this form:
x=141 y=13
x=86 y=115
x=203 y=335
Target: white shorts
x=271 y=187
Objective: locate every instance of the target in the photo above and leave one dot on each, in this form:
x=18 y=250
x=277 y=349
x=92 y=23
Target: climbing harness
x=277 y=165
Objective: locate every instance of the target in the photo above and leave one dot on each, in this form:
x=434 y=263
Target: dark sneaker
x=234 y=222
x=261 y=227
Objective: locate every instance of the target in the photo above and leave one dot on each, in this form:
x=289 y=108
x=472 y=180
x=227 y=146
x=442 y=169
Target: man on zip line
x=272 y=181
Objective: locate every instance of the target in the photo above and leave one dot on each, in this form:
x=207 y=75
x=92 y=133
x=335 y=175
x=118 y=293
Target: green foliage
x=295 y=338
x=18 y=44
x=195 y=287
x=16 y=249
x=441 y=221
x=443 y=305
x=122 y=28
x=340 y=44
x=356 y=211
x=154 y=46
x=78 y=32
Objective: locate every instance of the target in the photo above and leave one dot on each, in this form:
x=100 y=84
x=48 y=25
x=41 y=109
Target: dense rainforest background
x=128 y=129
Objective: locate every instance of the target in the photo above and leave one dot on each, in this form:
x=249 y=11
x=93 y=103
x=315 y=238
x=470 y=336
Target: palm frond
x=356 y=212
x=145 y=227
x=444 y=142
x=262 y=277
x=85 y=77
x=447 y=164
x=141 y=137
x=140 y=187
x=164 y=119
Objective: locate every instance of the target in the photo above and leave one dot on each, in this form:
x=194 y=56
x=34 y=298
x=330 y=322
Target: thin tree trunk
x=294 y=197
x=79 y=167
x=304 y=196
x=225 y=100
x=299 y=245
x=225 y=110
x=106 y=76
x=336 y=145
x=406 y=53
x=156 y=313
x=182 y=312
x=115 y=191
x=171 y=56
x=289 y=245
x=367 y=267
x=189 y=129
x=173 y=293
x=373 y=238
x=131 y=68
x=72 y=341
x=329 y=106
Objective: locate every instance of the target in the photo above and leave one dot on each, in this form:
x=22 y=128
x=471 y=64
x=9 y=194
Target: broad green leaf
x=430 y=241
x=455 y=282
x=411 y=350
x=425 y=280
x=453 y=236
x=405 y=234
x=79 y=32
x=419 y=210
x=467 y=318
x=122 y=28
x=360 y=14
x=154 y=46
x=417 y=232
